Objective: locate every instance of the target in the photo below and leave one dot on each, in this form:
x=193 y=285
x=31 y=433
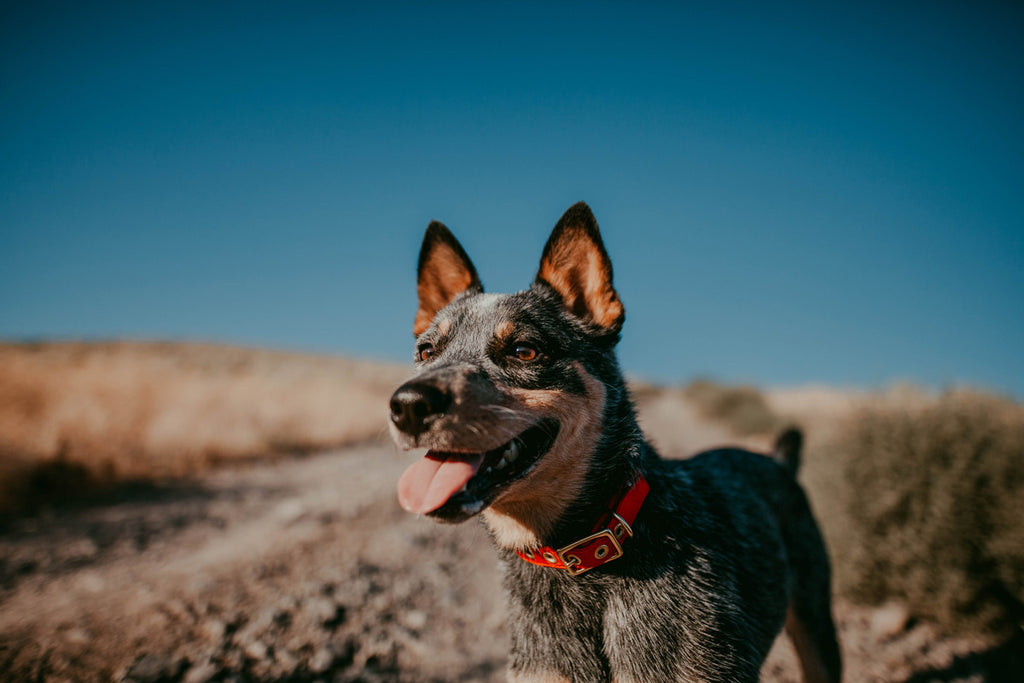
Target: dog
x=618 y=565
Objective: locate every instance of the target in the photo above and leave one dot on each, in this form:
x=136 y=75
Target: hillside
x=202 y=513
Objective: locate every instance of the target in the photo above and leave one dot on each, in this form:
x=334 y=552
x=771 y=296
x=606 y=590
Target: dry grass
x=921 y=498
x=76 y=416
x=936 y=514
x=677 y=429
x=743 y=409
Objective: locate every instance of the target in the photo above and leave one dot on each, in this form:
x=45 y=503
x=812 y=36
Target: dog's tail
x=787 y=448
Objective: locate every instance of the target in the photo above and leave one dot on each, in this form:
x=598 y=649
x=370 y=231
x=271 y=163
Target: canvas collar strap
x=606 y=543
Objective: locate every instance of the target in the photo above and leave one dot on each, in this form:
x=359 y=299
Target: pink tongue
x=430 y=481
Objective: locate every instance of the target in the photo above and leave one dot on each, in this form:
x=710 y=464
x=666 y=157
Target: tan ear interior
x=578 y=270
x=443 y=277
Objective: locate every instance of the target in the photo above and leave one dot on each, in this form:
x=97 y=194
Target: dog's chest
x=613 y=626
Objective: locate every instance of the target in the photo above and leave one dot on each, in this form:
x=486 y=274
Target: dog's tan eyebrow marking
x=504 y=329
x=444 y=327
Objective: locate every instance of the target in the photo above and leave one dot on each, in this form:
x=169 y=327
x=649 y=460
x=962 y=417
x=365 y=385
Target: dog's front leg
x=556 y=640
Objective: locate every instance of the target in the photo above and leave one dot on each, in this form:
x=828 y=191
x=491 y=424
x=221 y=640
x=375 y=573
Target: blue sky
x=790 y=195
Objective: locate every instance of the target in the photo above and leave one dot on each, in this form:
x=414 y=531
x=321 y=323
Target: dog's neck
x=563 y=508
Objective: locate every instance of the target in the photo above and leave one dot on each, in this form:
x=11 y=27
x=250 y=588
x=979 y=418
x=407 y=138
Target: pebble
x=286 y=660
x=150 y=668
x=201 y=673
x=78 y=636
x=91 y=581
x=256 y=649
x=324 y=611
x=414 y=619
x=214 y=630
x=290 y=511
x=321 y=660
x=889 y=620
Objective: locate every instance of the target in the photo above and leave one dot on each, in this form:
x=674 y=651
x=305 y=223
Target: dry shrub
x=935 y=509
x=743 y=409
x=76 y=416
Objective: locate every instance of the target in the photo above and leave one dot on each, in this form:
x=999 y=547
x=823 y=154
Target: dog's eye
x=426 y=352
x=525 y=353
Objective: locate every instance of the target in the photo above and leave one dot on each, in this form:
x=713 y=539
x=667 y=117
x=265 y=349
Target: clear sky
x=806 y=193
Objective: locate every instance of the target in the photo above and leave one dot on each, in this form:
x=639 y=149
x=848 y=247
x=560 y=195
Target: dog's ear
x=576 y=266
x=444 y=272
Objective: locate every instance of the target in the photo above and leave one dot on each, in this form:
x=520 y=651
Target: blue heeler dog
x=619 y=566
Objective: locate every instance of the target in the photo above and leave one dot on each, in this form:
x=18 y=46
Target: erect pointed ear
x=444 y=272
x=576 y=266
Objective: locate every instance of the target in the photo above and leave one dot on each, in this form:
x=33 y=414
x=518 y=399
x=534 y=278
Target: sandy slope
x=303 y=569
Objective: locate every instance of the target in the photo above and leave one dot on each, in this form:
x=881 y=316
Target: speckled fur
x=726 y=550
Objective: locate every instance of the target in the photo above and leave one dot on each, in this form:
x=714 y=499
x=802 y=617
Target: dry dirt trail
x=302 y=569
x=294 y=568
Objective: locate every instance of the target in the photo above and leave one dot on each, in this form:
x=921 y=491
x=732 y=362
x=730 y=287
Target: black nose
x=414 y=406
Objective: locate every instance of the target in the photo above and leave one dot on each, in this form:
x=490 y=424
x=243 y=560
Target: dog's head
x=510 y=389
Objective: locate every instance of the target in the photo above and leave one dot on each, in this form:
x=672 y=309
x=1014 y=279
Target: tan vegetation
x=743 y=409
x=934 y=508
x=75 y=416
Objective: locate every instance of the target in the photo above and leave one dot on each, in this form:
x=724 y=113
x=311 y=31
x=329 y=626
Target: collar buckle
x=602 y=546
x=590 y=552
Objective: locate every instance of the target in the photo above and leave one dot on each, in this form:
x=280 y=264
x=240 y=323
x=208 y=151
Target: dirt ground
x=306 y=569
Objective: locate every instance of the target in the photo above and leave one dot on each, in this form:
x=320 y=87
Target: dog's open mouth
x=454 y=486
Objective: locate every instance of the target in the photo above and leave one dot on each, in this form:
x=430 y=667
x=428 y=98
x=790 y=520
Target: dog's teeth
x=511 y=452
x=508 y=456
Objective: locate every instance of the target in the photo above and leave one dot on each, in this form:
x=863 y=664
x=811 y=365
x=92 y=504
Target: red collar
x=605 y=544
